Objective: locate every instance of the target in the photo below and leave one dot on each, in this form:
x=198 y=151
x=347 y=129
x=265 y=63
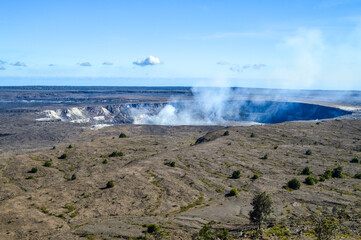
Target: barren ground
x=183 y=198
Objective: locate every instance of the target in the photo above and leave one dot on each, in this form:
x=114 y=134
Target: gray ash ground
x=51 y=204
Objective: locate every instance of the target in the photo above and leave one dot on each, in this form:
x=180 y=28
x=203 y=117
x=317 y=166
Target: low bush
x=308 y=152
x=255 y=176
x=73 y=177
x=63 y=156
x=355 y=160
x=265 y=156
x=252 y=135
x=236 y=174
x=110 y=184
x=122 y=135
x=294 y=184
x=170 y=164
x=105 y=161
x=30 y=177
x=337 y=172
x=327 y=174
x=226 y=133
x=358 y=176
x=306 y=171
x=232 y=193
x=310 y=180
x=152 y=228
x=70 y=146
x=47 y=164
x=116 y=154
x=34 y=170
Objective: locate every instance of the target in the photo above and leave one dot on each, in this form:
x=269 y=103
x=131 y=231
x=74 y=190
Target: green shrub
x=73 y=214
x=327 y=174
x=54 y=148
x=70 y=207
x=322 y=179
x=218 y=190
x=152 y=228
x=337 y=172
x=110 y=184
x=308 y=152
x=294 y=184
x=70 y=146
x=306 y=171
x=265 y=156
x=105 y=161
x=122 y=135
x=233 y=192
x=116 y=154
x=236 y=174
x=73 y=177
x=30 y=177
x=310 y=180
x=358 y=176
x=47 y=164
x=64 y=156
x=355 y=160
x=255 y=176
x=252 y=135
x=226 y=133
x=34 y=170
x=170 y=164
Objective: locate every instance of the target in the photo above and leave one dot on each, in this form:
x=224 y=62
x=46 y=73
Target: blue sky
x=273 y=44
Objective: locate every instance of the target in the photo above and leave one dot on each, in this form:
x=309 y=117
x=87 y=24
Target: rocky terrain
x=68 y=198
x=62 y=178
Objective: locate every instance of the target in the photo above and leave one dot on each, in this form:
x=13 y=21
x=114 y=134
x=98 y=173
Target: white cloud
x=147 y=61
x=238 y=68
x=85 y=64
x=19 y=64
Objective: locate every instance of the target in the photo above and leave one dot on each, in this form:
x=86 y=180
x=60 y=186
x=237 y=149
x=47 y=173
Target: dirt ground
x=70 y=198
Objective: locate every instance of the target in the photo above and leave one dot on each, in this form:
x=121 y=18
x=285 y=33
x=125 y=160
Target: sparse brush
x=306 y=171
x=34 y=170
x=355 y=160
x=294 y=184
x=236 y=174
x=122 y=135
x=116 y=154
x=255 y=176
x=226 y=133
x=310 y=180
x=337 y=172
x=47 y=164
x=63 y=156
x=308 y=152
x=110 y=184
x=358 y=176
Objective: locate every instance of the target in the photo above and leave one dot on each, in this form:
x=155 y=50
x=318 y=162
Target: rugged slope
x=182 y=198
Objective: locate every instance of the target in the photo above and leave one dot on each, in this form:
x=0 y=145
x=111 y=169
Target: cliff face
x=193 y=113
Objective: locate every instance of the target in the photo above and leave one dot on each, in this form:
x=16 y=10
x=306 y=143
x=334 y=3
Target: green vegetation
x=30 y=177
x=236 y=174
x=34 y=170
x=325 y=226
x=110 y=184
x=170 y=164
x=306 y=171
x=73 y=214
x=252 y=135
x=152 y=228
x=73 y=177
x=355 y=160
x=47 y=164
x=327 y=174
x=337 y=172
x=116 y=154
x=232 y=193
x=70 y=146
x=192 y=205
x=122 y=135
x=262 y=208
x=358 y=176
x=105 y=161
x=226 y=133
x=255 y=176
x=69 y=207
x=64 y=156
x=54 y=148
x=209 y=233
x=294 y=184
x=218 y=190
x=310 y=180
x=308 y=152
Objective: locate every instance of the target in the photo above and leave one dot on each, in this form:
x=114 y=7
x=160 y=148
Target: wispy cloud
x=147 y=61
x=2 y=68
x=2 y=62
x=240 y=68
x=107 y=63
x=85 y=64
x=19 y=64
x=51 y=65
